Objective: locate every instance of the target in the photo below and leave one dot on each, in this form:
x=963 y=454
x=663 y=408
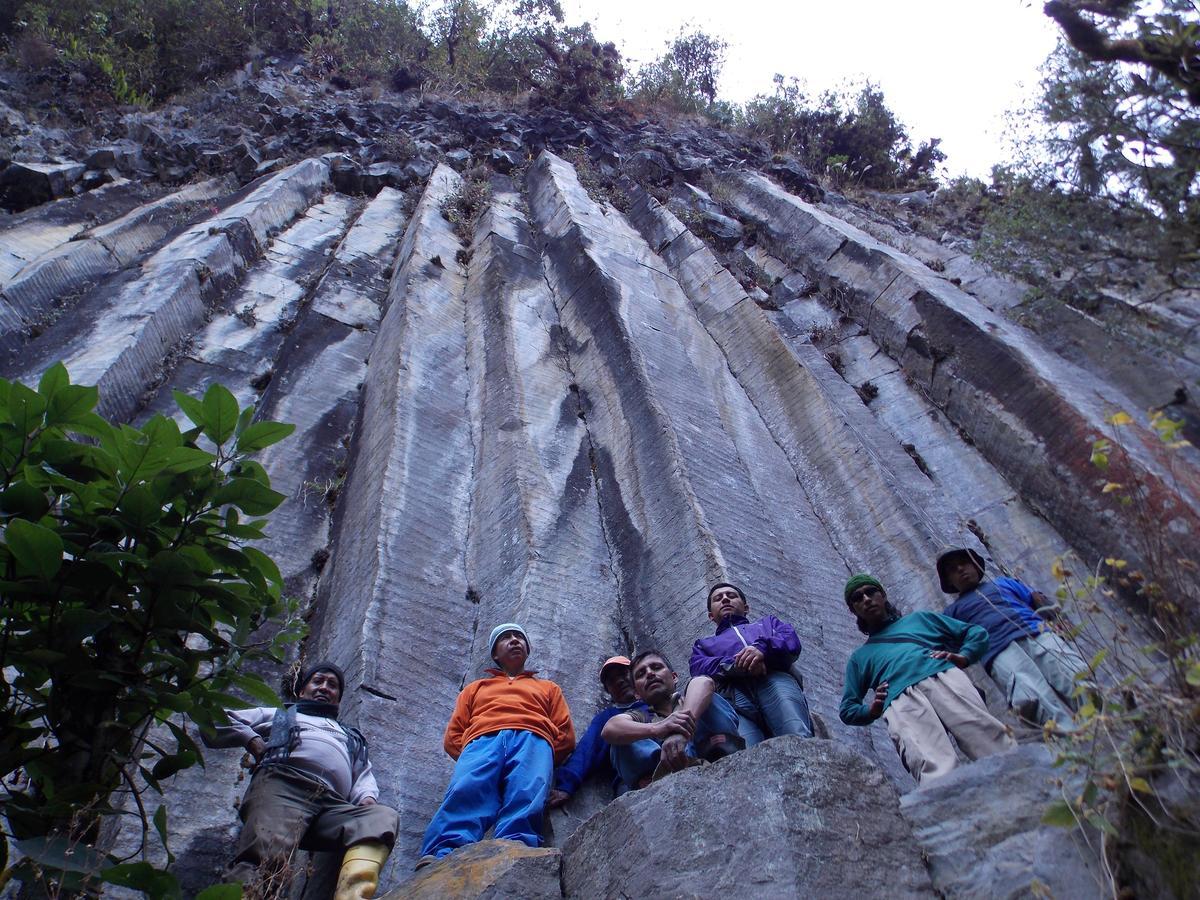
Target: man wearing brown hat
x=592 y=752
x=1034 y=667
x=312 y=789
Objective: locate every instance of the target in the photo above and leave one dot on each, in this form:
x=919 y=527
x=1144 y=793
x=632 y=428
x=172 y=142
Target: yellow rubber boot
x=360 y=871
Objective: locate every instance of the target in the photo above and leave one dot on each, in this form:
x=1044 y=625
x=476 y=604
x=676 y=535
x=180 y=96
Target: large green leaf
x=192 y=408
x=53 y=380
x=26 y=408
x=140 y=507
x=250 y=496
x=24 y=500
x=141 y=876
x=263 y=434
x=37 y=550
x=71 y=404
x=220 y=414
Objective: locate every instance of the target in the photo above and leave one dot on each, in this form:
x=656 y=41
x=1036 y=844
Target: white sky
x=948 y=68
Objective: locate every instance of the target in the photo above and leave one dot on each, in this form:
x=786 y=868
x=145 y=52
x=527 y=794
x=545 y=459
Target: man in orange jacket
x=507 y=732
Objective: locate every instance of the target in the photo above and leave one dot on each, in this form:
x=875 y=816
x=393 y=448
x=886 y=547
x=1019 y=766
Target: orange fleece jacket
x=522 y=703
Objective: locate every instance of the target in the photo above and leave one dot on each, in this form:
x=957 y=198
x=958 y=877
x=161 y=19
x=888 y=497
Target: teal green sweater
x=899 y=655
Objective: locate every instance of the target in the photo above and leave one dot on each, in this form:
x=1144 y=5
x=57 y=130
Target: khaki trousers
x=284 y=811
x=919 y=719
x=1037 y=675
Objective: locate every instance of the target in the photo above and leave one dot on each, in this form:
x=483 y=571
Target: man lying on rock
x=676 y=731
x=911 y=665
x=1034 y=667
x=751 y=664
x=591 y=756
x=312 y=789
x=506 y=733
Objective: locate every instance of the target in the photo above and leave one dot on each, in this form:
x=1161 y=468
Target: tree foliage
x=850 y=135
x=1163 y=37
x=129 y=593
x=1104 y=199
x=685 y=77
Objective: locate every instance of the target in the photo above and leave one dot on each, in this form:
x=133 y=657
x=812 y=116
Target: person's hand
x=750 y=661
x=557 y=798
x=256 y=748
x=367 y=801
x=957 y=658
x=680 y=723
x=880 y=698
x=674 y=752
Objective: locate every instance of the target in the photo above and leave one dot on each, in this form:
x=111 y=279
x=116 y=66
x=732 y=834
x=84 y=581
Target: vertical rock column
x=394 y=604
x=536 y=551
x=315 y=381
x=693 y=485
x=1034 y=415
x=874 y=502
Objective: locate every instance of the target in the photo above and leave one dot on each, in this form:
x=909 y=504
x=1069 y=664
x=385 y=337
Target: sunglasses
x=863 y=593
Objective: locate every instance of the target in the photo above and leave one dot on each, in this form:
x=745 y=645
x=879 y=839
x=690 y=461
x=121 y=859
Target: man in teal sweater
x=912 y=666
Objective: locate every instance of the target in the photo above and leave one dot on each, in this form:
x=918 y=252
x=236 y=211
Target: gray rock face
x=981 y=833
x=788 y=818
x=580 y=418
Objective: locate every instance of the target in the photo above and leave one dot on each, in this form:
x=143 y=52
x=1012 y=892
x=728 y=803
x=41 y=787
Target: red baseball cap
x=613 y=661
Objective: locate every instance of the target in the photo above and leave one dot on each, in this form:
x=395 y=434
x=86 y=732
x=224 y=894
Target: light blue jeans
x=770 y=706
x=500 y=779
x=635 y=761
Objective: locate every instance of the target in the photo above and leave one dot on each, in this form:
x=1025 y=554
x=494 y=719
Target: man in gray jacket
x=312 y=789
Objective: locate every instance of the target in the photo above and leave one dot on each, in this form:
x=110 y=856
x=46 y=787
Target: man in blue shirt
x=592 y=752
x=1034 y=667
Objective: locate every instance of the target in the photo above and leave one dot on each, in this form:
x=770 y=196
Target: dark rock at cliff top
x=23 y=185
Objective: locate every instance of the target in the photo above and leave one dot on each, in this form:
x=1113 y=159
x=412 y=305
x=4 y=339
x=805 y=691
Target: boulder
x=788 y=818
x=504 y=161
x=648 y=167
x=489 y=870
x=796 y=179
x=25 y=184
x=981 y=832
x=459 y=159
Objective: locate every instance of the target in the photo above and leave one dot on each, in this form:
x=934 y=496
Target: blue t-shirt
x=1004 y=606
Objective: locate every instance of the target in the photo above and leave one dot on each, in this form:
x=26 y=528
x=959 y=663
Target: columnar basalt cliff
x=579 y=416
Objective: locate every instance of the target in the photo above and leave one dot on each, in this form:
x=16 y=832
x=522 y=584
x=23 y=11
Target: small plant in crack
x=463 y=208
x=867 y=391
x=246 y=315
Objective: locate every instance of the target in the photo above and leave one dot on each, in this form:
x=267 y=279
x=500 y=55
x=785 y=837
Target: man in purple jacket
x=751 y=663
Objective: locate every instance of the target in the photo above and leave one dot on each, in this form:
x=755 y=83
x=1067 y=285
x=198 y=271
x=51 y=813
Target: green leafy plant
x=1134 y=752
x=128 y=593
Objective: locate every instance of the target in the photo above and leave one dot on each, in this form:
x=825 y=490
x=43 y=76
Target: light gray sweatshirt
x=321 y=751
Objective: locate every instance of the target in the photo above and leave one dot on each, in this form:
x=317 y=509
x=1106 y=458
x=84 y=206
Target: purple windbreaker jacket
x=713 y=656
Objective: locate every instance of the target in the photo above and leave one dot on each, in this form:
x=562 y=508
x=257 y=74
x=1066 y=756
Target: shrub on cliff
x=684 y=79
x=1102 y=199
x=851 y=136
x=128 y=594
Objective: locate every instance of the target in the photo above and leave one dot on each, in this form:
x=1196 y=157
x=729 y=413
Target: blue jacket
x=591 y=753
x=1004 y=606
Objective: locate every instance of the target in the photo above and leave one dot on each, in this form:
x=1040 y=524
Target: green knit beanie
x=862 y=579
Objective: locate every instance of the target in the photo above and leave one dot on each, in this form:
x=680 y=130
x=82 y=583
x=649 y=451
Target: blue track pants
x=500 y=779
